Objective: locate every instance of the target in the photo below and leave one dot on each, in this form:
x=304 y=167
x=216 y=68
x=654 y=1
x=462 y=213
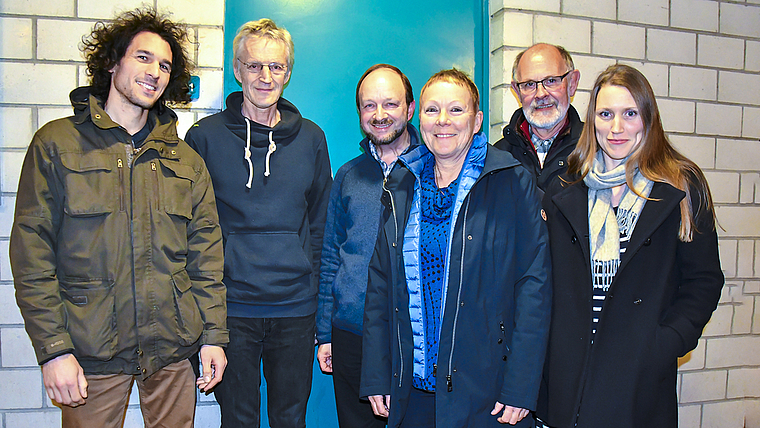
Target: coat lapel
x=663 y=199
x=572 y=202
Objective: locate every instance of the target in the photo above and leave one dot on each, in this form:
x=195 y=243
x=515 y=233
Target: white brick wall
x=40 y=64
x=702 y=58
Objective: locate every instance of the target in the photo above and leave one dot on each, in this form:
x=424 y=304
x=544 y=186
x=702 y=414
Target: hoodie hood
x=255 y=134
x=282 y=133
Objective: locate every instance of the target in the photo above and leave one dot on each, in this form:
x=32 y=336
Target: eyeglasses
x=257 y=67
x=549 y=83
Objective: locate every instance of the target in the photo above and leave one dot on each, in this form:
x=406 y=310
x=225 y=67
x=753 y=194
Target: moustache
x=386 y=121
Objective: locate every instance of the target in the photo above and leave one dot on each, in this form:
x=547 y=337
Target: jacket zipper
x=394 y=244
x=120 y=168
x=155 y=184
x=449 y=385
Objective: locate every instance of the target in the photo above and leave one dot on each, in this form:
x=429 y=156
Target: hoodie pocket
x=189 y=322
x=90 y=316
x=266 y=260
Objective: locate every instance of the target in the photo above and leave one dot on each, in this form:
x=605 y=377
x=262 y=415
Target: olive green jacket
x=117 y=253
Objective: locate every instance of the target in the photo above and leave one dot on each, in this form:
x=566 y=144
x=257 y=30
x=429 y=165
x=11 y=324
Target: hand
x=324 y=356
x=381 y=404
x=213 y=363
x=511 y=415
x=64 y=380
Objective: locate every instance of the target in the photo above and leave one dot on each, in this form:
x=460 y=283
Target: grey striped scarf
x=605 y=228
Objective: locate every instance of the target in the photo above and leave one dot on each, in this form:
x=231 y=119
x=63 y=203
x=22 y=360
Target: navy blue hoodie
x=272 y=224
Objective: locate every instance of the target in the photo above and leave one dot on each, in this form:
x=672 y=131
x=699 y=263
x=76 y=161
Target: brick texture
x=702 y=58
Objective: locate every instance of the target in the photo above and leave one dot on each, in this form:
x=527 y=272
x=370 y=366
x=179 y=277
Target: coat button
x=504 y=358
x=573 y=240
x=637 y=302
x=394 y=245
x=461 y=304
x=97 y=116
x=139 y=353
x=144 y=371
x=561 y=163
x=396 y=309
x=500 y=341
x=648 y=242
x=469 y=237
x=395 y=374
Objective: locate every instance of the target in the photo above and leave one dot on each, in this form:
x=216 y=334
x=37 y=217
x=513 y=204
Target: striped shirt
x=600 y=293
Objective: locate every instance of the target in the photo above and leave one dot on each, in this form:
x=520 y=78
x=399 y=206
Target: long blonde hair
x=656 y=157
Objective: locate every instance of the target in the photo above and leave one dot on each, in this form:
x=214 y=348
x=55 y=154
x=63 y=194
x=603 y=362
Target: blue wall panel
x=335 y=42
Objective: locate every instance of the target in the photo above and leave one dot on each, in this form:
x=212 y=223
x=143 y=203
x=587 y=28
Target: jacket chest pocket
x=173 y=187
x=90 y=185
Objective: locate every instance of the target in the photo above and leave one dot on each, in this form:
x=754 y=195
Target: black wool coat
x=660 y=300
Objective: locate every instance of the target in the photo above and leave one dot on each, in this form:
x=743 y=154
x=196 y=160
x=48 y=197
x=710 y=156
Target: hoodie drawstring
x=248 y=152
x=272 y=148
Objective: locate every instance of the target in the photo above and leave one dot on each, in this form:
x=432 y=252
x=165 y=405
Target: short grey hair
x=266 y=28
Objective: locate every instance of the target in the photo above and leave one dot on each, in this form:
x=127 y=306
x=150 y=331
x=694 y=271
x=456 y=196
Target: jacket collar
x=87 y=107
x=572 y=128
x=663 y=199
x=414 y=140
x=572 y=202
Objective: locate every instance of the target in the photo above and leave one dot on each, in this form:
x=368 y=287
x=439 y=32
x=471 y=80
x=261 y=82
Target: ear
x=478 y=120
x=236 y=70
x=572 y=82
x=410 y=113
x=516 y=92
x=287 y=78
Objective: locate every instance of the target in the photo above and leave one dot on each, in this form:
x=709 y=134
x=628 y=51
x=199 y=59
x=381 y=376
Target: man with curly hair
x=116 y=248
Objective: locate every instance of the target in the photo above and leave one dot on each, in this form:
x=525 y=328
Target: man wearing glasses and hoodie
x=271 y=175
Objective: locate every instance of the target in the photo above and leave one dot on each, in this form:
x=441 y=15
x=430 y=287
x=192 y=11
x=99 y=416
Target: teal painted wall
x=335 y=42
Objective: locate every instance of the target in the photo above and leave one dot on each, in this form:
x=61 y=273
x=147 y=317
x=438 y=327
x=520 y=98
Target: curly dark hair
x=107 y=44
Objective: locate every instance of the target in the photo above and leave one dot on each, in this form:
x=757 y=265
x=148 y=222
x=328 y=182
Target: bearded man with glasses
x=272 y=178
x=546 y=129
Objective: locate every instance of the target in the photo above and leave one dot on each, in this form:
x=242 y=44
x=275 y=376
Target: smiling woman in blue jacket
x=458 y=300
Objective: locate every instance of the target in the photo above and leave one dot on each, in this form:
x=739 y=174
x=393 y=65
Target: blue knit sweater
x=353 y=220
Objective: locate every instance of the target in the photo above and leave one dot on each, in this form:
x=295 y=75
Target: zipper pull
x=449 y=387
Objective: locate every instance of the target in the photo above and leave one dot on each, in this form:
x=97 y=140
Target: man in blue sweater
x=271 y=175
x=385 y=103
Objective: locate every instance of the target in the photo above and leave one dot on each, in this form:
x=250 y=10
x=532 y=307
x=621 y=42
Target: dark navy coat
x=496 y=310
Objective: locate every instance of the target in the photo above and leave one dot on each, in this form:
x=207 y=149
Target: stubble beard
x=387 y=140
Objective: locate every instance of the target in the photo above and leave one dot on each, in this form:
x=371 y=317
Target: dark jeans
x=347 y=370
x=285 y=346
x=420 y=413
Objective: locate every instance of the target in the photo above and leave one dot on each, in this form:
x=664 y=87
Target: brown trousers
x=167 y=399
